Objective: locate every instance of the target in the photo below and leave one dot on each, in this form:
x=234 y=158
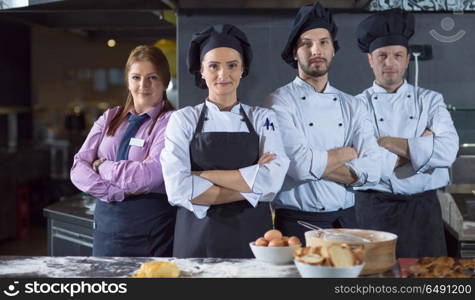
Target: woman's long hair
x=156 y=57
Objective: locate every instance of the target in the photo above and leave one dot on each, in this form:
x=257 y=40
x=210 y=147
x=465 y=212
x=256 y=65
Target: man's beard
x=318 y=72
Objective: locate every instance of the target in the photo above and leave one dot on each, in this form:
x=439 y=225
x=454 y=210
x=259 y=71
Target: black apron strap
x=201 y=119
x=204 y=112
x=247 y=121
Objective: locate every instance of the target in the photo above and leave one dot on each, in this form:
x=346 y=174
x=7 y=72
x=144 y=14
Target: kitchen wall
x=15 y=81
x=450 y=71
x=70 y=70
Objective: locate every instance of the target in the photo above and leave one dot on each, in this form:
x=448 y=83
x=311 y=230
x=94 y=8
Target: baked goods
x=341 y=256
x=335 y=255
x=442 y=267
x=380 y=252
x=467 y=264
x=158 y=269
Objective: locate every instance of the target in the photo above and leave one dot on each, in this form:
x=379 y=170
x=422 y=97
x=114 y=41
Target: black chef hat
x=309 y=17
x=214 y=37
x=386 y=28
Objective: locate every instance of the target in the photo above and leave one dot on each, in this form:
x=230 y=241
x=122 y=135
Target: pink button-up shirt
x=140 y=174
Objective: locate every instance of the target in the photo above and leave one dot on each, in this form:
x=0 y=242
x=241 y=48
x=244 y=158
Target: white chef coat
x=404 y=114
x=182 y=186
x=311 y=124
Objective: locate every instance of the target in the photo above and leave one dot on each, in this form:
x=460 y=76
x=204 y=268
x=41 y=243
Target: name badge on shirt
x=136 y=142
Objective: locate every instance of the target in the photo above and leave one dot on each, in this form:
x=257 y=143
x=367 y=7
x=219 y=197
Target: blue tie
x=134 y=124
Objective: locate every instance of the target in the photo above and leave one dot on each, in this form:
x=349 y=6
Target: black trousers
x=415 y=219
x=286 y=220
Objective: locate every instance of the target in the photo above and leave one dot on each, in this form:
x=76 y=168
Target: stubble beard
x=315 y=72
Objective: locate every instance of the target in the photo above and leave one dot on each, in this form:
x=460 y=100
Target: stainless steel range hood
x=267 y=4
x=100 y=19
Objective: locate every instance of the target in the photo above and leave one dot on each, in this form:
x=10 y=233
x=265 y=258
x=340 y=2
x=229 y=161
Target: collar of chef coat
x=308 y=88
x=152 y=113
x=213 y=107
x=400 y=91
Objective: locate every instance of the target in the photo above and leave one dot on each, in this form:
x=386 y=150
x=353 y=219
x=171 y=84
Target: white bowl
x=273 y=255
x=312 y=271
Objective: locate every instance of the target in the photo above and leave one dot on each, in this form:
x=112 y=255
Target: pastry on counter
x=158 y=269
x=442 y=267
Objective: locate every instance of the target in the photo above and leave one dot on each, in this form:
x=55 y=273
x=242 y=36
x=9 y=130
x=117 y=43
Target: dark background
x=449 y=72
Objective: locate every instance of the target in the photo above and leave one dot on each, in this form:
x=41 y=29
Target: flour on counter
x=43 y=267
x=109 y=267
x=68 y=266
x=245 y=268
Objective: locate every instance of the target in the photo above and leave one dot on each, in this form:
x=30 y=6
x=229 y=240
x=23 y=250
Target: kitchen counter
x=124 y=267
x=70 y=226
x=458 y=212
x=77 y=209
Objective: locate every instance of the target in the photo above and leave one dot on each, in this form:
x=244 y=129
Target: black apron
x=415 y=219
x=227 y=229
x=286 y=220
x=141 y=225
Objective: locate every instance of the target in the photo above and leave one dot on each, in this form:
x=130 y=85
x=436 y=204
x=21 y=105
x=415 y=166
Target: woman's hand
x=95 y=164
x=266 y=157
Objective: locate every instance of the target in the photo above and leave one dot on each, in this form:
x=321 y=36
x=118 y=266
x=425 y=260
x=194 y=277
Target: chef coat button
x=334 y=99
x=381 y=120
x=411 y=117
x=340 y=124
x=310 y=124
x=303 y=98
x=340 y=208
x=375 y=97
x=408 y=96
x=323 y=208
x=206 y=118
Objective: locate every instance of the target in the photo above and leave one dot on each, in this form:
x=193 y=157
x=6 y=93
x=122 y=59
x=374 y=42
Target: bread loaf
x=158 y=269
x=341 y=255
x=335 y=255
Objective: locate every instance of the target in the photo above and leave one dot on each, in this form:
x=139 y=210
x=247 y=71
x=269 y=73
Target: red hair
x=156 y=57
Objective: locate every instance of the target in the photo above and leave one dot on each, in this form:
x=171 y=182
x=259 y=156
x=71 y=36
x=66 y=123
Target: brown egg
x=276 y=243
x=285 y=239
x=272 y=234
x=261 y=242
x=294 y=241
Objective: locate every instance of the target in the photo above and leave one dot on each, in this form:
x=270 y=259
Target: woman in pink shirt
x=119 y=164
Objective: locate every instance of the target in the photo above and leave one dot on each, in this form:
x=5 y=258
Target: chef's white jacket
x=406 y=114
x=182 y=186
x=311 y=124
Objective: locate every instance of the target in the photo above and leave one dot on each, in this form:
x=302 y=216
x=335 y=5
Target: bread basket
x=379 y=246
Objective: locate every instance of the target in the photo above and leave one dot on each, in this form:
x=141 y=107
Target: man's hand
x=345 y=154
x=401 y=161
x=266 y=157
x=338 y=157
x=397 y=146
x=427 y=132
